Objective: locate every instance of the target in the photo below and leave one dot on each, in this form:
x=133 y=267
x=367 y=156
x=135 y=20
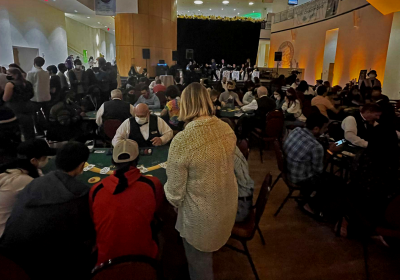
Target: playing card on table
x=87 y=168
x=105 y=170
x=99 y=152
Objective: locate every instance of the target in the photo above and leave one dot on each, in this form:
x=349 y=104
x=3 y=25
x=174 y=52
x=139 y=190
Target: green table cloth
x=101 y=160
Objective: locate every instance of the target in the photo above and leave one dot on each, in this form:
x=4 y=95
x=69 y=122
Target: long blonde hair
x=195 y=102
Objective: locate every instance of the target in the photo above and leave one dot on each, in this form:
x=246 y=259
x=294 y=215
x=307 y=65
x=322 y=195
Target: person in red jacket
x=123 y=207
x=159 y=86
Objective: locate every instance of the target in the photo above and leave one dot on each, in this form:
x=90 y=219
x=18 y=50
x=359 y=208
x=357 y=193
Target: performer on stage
x=214 y=69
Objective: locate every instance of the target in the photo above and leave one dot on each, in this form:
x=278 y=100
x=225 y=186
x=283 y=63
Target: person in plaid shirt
x=304 y=157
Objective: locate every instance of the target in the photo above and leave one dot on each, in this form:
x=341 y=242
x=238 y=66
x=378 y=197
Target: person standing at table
x=61 y=73
x=114 y=109
x=17 y=95
x=123 y=207
x=201 y=181
x=372 y=81
x=50 y=224
x=229 y=97
x=358 y=128
x=55 y=84
x=147 y=130
x=78 y=79
x=40 y=80
x=148 y=98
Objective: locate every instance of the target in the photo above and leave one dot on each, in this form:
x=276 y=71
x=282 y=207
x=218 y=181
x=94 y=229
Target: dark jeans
x=26 y=125
x=324 y=193
x=41 y=116
x=214 y=74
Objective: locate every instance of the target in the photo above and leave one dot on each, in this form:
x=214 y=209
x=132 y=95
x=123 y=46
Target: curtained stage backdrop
x=234 y=41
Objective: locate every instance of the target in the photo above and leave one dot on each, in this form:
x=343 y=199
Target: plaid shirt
x=303 y=154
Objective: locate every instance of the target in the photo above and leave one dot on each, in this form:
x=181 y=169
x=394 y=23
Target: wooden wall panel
x=174 y=35
x=141 y=29
x=143 y=7
x=125 y=59
x=124 y=33
x=166 y=9
x=155 y=8
x=174 y=10
x=166 y=34
x=155 y=27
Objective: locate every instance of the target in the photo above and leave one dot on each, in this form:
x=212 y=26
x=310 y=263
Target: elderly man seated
x=148 y=98
x=147 y=130
x=114 y=109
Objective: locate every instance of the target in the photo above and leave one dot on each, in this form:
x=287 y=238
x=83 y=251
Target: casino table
x=90 y=116
x=230 y=113
x=101 y=160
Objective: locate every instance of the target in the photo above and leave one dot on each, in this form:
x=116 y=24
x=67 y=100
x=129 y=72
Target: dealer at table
x=146 y=129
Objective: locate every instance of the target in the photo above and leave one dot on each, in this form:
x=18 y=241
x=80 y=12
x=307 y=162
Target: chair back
x=127 y=268
x=243 y=146
x=279 y=155
x=110 y=127
x=9 y=270
x=262 y=199
x=274 y=125
x=228 y=121
x=162 y=98
x=335 y=130
x=392 y=213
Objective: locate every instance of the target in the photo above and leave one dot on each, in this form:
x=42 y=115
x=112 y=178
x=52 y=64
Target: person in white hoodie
x=14 y=176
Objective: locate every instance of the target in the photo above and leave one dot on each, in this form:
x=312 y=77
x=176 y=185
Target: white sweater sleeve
x=349 y=125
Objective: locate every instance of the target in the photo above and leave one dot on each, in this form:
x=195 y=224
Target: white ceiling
x=79 y=12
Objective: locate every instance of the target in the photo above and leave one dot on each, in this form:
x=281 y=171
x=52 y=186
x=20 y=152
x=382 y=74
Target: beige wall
x=361 y=47
x=32 y=24
x=82 y=37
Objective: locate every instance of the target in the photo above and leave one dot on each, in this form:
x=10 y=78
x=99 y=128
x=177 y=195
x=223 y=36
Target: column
x=154 y=27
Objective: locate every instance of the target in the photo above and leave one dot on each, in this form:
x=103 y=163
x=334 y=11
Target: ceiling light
x=106 y=26
x=188 y=11
x=251 y=3
x=225 y=2
x=198 y=2
x=210 y=9
x=199 y=10
x=222 y=9
x=234 y=9
x=114 y=30
x=75 y=11
x=99 y=23
x=238 y=13
x=88 y=17
x=253 y=11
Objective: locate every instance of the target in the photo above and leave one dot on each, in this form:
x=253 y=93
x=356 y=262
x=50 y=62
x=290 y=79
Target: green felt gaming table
x=103 y=159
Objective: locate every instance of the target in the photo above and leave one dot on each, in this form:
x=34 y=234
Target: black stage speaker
x=278 y=56
x=189 y=54
x=146 y=53
x=174 y=55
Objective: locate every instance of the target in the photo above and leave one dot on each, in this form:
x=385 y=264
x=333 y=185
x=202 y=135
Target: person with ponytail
x=123 y=207
x=31 y=156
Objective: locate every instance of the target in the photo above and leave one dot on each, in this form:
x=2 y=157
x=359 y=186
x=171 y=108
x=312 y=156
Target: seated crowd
x=55 y=227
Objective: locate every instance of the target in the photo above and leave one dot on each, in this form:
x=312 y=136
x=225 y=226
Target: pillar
x=154 y=27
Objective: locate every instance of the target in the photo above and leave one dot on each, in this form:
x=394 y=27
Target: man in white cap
x=147 y=130
x=123 y=206
x=114 y=109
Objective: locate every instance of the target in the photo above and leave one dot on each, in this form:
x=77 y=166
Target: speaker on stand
x=278 y=59
x=146 y=55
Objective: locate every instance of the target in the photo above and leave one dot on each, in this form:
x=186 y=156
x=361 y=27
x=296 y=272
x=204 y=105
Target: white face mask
x=372 y=76
x=277 y=97
x=42 y=163
x=141 y=120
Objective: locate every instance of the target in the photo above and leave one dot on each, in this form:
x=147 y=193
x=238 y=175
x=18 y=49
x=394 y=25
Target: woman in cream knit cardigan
x=201 y=180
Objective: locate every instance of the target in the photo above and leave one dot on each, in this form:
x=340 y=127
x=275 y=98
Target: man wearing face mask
x=372 y=81
x=50 y=224
x=229 y=97
x=148 y=98
x=78 y=79
x=147 y=130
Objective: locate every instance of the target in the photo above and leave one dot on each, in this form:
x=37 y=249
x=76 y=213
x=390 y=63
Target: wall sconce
x=356 y=17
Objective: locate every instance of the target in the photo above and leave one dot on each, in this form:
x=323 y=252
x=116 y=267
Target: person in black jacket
x=50 y=231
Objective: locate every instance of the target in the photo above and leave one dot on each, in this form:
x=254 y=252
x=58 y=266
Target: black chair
x=243 y=146
x=245 y=231
x=131 y=267
x=292 y=187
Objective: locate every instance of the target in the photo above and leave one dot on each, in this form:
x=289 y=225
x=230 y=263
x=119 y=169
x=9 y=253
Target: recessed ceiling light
x=198 y=2
x=199 y=10
x=234 y=9
x=251 y=3
x=75 y=11
x=106 y=26
x=114 y=30
x=210 y=9
x=225 y=2
x=88 y=17
x=222 y=9
x=238 y=13
x=188 y=11
x=99 y=23
x=253 y=11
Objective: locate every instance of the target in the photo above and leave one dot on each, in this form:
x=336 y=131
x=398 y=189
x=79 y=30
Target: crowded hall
x=199 y=140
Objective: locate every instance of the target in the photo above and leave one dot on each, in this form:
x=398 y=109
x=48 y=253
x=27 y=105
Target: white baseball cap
x=125 y=151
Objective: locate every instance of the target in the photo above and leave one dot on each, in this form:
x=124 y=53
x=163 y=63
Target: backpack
x=66 y=115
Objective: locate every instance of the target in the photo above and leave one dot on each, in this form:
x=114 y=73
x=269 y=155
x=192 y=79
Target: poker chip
x=94 y=180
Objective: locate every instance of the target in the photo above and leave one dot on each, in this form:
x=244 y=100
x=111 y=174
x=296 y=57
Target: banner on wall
x=85 y=58
x=311 y=11
x=332 y=8
x=105 y=7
